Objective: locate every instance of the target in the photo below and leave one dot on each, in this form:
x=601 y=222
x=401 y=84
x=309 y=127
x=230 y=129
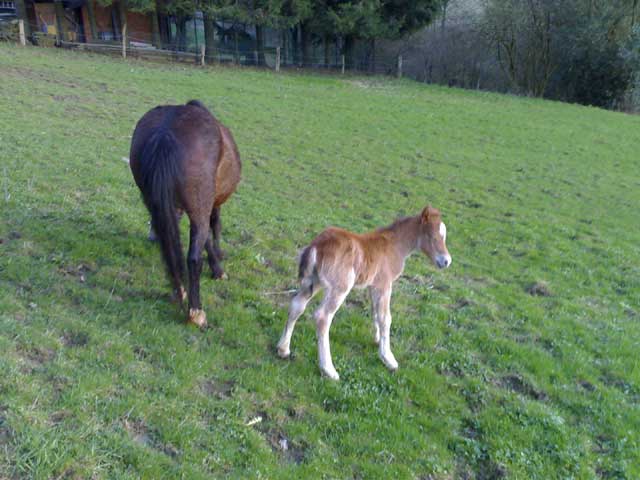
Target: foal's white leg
x=374 y=294
x=324 y=316
x=384 y=319
x=297 y=307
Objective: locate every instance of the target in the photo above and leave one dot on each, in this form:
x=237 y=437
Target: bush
x=9 y=31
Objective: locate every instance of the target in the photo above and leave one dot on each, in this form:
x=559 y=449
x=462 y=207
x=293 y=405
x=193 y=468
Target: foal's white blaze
x=443 y=260
x=443 y=231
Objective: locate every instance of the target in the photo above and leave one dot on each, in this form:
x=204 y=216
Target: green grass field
x=520 y=361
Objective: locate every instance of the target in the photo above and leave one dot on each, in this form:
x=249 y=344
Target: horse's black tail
x=161 y=165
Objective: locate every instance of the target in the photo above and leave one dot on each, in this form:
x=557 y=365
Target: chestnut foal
x=339 y=260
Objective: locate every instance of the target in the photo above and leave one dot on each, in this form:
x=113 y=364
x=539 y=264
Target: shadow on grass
x=82 y=259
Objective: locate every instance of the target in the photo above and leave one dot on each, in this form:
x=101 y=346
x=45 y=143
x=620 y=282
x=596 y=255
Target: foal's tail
x=307 y=268
x=161 y=166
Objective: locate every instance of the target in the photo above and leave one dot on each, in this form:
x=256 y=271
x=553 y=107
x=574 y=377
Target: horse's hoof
x=198 y=317
x=179 y=296
x=220 y=275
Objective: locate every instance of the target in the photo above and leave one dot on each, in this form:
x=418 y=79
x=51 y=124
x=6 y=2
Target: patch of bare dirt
x=291 y=451
x=142 y=435
x=6 y=434
x=460 y=304
x=539 y=289
x=66 y=98
x=35 y=354
x=627 y=389
x=222 y=390
x=75 y=339
x=587 y=386
x=517 y=384
x=297 y=412
x=78 y=271
x=59 y=416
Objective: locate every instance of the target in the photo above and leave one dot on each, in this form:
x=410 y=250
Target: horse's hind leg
x=212 y=245
x=199 y=233
x=215 y=262
x=216 y=228
x=376 y=297
x=297 y=307
x=334 y=296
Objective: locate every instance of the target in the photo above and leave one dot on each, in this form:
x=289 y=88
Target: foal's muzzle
x=443 y=261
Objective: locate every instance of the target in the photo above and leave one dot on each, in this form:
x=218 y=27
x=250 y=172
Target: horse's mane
x=197 y=103
x=394 y=225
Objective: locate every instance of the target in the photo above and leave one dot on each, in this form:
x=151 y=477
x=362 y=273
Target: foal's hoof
x=284 y=352
x=330 y=373
x=390 y=362
x=197 y=317
x=179 y=296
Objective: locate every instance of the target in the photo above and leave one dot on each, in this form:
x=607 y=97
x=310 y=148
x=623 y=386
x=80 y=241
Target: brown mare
x=338 y=260
x=183 y=159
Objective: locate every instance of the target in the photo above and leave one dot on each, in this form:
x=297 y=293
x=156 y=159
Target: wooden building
x=89 y=21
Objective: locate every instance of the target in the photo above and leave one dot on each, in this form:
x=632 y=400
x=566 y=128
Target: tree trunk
x=122 y=13
x=443 y=21
x=285 y=46
x=21 y=11
x=161 y=19
x=305 y=39
x=181 y=33
x=372 y=55
x=210 y=36
x=165 y=32
x=60 y=20
x=295 y=47
x=236 y=53
x=93 y=27
x=260 y=44
x=156 y=38
x=348 y=50
x=327 y=43
x=443 y=43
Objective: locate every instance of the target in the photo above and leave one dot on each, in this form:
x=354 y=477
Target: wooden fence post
x=202 y=50
x=342 y=60
x=23 y=40
x=277 y=59
x=399 y=66
x=124 y=40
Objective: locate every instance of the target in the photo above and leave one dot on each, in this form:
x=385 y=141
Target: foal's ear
x=424 y=216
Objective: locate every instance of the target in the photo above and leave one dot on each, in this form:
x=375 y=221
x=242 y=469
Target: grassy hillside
x=520 y=361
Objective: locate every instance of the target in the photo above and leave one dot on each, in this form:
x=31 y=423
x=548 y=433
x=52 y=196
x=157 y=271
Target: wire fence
x=140 y=45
